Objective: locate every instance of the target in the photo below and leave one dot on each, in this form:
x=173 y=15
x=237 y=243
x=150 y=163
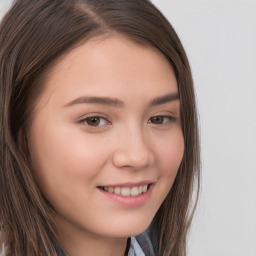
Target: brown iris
x=93 y=121
x=157 y=119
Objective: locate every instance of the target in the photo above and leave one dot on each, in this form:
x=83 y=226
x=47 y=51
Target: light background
x=220 y=40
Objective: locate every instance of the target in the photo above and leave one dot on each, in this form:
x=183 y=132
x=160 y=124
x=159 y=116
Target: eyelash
x=99 y=119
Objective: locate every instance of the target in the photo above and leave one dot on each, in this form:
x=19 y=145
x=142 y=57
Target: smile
x=127 y=191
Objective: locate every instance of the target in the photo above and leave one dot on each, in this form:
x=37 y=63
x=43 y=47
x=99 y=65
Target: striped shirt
x=135 y=249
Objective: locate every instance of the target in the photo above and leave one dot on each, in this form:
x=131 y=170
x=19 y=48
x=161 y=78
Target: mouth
x=126 y=191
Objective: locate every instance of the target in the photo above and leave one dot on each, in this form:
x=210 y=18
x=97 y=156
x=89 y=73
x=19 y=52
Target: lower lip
x=131 y=201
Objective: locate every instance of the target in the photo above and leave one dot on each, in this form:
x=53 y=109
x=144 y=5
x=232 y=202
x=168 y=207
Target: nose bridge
x=134 y=148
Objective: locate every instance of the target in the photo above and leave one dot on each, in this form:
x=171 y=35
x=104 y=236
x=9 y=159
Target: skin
x=72 y=155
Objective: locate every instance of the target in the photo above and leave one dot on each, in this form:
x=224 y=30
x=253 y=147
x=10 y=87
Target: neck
x=77 y=242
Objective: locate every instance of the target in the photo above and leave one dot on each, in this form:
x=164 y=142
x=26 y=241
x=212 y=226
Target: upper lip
x=130 y=184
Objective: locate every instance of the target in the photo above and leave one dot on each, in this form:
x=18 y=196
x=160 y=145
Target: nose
x=133 y=150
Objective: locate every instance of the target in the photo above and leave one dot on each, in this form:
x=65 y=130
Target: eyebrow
x=97 y=100
x=164 y=99
x=118 y=103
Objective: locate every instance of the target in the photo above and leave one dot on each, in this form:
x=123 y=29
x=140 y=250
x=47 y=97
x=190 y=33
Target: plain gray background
x=220 y=40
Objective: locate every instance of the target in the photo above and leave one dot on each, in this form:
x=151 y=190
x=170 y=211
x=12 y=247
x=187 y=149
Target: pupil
x=94 y=121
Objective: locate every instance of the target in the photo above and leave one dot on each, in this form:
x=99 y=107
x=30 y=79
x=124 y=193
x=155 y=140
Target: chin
x=127 y=228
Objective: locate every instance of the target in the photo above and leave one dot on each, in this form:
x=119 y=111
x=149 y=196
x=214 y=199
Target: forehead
x=111 y=66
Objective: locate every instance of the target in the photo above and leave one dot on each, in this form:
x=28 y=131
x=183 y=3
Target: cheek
x=64 y=149
x=67 y=164
x=63 y=157
x=169 y=153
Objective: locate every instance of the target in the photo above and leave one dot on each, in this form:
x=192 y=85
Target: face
x=105 y=139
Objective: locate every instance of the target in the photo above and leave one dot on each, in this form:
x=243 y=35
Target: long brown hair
x=33 y=35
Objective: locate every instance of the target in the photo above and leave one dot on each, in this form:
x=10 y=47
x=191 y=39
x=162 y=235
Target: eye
x=95 y=121
x=161 y=119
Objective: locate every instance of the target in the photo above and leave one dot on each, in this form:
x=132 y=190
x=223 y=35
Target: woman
x=99 y=143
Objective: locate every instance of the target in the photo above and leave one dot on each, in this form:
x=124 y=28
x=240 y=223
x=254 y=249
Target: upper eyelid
x=96 y=114
x=168 y=115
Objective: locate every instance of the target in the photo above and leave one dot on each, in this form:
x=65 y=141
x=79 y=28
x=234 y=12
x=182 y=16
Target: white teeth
x=110 y=189
x=144 y=188
x=134 y=191
x=117 y=190
x=126 y=191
